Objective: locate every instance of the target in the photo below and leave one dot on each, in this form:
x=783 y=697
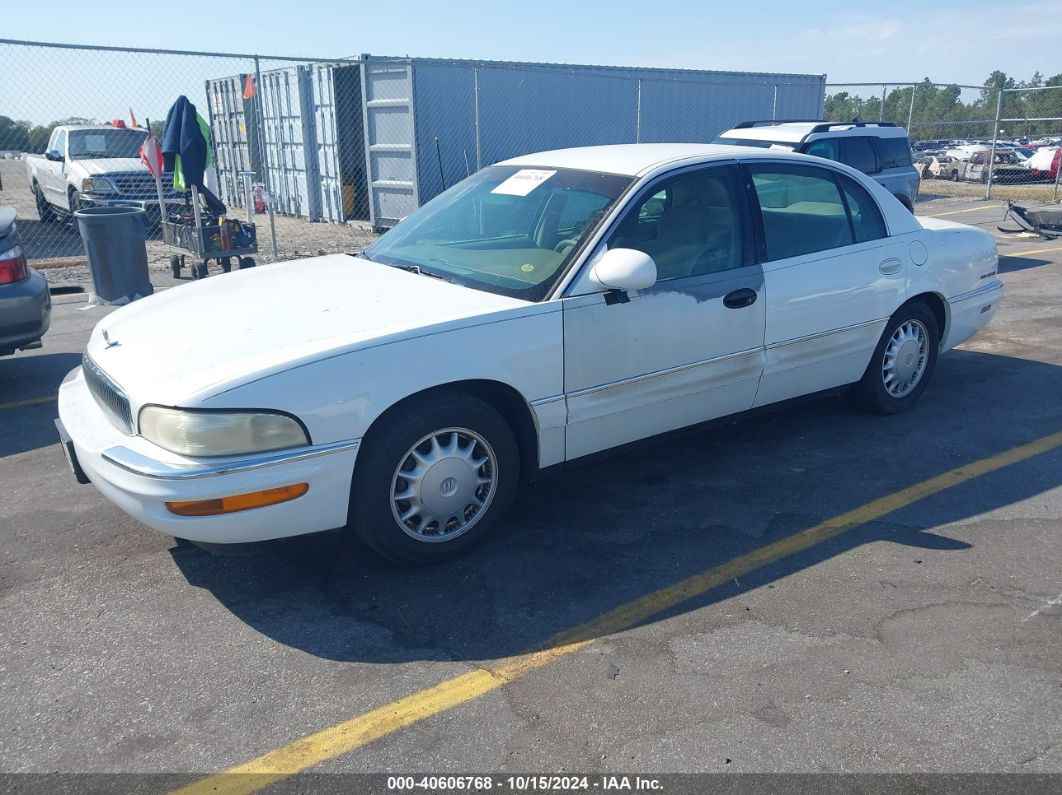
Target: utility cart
x=189 y=236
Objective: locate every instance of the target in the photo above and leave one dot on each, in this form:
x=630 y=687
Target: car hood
x=187 y=343
x=109 y=165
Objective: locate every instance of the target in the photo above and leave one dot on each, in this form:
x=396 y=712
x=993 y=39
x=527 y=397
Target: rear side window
x=859 y=154
x=802 y=210
x=867 y=222
x=895 y=152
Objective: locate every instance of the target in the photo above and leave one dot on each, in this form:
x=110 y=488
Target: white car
x=548 y=307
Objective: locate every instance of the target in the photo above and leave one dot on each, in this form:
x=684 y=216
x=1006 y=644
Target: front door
x=686 y=350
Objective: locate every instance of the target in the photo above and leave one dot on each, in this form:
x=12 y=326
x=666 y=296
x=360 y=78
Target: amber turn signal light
x=239 y=502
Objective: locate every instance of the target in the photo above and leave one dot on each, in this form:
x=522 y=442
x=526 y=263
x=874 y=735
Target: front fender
x=338 y=397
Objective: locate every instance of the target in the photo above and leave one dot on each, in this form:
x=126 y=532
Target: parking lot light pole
x=995 y=137
x=910 y=108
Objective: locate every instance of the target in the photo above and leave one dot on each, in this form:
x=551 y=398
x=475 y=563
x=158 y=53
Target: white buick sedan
x=548 y=307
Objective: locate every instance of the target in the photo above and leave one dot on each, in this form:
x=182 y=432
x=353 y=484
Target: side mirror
x=624 y=269
x=55 y=155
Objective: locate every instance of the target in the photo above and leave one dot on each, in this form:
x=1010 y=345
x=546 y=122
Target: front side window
x=802 y=210
x=824 y=147
x=691 y=224
x=505 y=229
x=858 y=152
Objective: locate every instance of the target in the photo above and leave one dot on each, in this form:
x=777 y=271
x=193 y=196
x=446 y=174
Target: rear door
x=832 y=277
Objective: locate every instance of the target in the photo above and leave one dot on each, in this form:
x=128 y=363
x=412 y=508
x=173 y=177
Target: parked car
x=94 y=166
x=1006 y=167
x=546 y=308
x=25 y=303
x=1044 y=163
x=881 y=150
x=940 y=167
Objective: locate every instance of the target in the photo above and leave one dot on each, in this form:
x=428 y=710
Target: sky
x=897 y=41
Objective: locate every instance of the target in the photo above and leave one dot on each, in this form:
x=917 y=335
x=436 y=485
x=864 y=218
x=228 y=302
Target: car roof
x=631 y=160
x=795 y=131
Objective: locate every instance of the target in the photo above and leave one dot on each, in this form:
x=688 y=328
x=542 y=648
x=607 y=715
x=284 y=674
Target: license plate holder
x=71 y=455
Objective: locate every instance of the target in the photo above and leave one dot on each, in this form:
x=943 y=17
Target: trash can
x=116 y=251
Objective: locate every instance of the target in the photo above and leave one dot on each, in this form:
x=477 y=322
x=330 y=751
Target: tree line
x=24 y=136
x=939 y=111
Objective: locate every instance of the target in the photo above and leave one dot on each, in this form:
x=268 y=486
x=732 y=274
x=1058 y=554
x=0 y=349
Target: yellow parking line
x=967 y=210
x=363 y=729
x=1030 y=253
x=38 y=401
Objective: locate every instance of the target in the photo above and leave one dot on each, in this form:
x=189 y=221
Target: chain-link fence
x=320 y=154
x=972 y=141
x=334 y=150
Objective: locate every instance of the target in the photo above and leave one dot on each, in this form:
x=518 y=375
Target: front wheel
x=903 y=361
x=434 y=479
x=44 y=210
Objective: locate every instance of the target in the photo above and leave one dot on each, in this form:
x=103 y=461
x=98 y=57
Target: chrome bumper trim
x=993 y=286
x=139 y=464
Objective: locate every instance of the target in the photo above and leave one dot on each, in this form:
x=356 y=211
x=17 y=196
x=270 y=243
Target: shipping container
x=375 y=137
x=232 y=121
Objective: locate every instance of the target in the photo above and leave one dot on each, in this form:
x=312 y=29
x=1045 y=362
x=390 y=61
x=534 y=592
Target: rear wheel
x=903 y=361
x=75 y=205
x=434 y=479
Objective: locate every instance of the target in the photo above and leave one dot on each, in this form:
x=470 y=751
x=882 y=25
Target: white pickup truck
x=95 y=166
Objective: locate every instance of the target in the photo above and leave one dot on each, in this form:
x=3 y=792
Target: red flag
x=151 y=155
x=248 y=87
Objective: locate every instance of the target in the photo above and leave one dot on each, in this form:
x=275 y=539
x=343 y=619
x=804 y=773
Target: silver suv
x=880 y=149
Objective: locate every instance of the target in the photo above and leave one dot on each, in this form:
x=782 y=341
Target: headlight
x=215 y=433
x=96 y=185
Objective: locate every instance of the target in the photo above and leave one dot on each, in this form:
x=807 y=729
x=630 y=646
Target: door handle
x=739 y=299
x=891 y=266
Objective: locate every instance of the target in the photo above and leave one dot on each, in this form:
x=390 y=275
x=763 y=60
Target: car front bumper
x=25 y=312
x=140 y=478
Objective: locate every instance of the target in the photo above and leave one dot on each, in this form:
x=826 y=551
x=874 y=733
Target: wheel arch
x=504 y=398
x=937 y=305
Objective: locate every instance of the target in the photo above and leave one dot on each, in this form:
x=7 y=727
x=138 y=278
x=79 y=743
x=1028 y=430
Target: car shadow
x=582 y=542
x=29 y=377
x=1009 y=264
x=49 y=240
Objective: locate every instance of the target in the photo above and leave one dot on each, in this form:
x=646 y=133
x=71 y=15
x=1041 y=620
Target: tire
x=875 y=392
x=456 y=430
x=75 y=205
x=226 y=264
x=202 y=270
x=44 y=210
x=175 y=266
x=246 y=262
x=954 y=176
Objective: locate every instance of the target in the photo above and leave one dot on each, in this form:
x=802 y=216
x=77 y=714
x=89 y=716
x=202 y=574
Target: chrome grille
x=108 y=396
x=137 y=183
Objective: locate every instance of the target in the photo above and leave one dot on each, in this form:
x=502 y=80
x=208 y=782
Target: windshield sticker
x=523 y=182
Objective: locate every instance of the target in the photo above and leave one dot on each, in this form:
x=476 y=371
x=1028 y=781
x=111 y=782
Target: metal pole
x=995 y=135
x=248 y=176
x=910 y=109
x=881 y=110
x=638 y=116
x=1058 y=173
x=263 y=152
x=479 y=150
x=774 y=104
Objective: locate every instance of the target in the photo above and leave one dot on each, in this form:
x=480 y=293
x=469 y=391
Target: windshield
x=104 y=143
x=505 y=229
x=788 y=147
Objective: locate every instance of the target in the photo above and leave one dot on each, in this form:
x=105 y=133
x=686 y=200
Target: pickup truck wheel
x=44 y=210
x=903 y=361
x=75 y=205
x=434 y=479
x=954 y=175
